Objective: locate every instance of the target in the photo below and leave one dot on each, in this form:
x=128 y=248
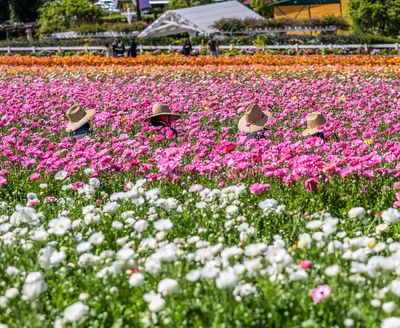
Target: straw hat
x=253 y=120
x=314 y=121
x=77 y=117
x=162 y=109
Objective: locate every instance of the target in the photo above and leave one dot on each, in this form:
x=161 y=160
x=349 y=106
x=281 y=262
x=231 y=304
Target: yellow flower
x=124 y=119
x=152 y=136
x=341 y=99
x=371 y=243
x=369 y=141
x=206 y=108
x=294 y=97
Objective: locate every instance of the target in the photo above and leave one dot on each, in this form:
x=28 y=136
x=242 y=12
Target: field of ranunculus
x=131 y=229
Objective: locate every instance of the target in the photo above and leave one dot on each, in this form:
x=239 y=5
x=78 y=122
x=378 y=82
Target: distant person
x=187 y=47
x=108 y=50
x=253 y=122
x=119 y=48
x=163 y=117
x=79 y=121
x=213 y=47
x=315 y=121
x=132 y=52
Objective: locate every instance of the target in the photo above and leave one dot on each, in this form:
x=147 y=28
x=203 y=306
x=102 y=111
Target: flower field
x=130 y=228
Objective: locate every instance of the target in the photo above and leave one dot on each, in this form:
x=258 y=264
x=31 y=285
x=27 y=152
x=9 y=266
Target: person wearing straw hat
x=79 y=121
x=163 y=117
x=253 y=122
x=314 y=121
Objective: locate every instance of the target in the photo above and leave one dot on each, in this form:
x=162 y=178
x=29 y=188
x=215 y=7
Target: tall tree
x=24 y=10
x=5 y=11
x=64 y=14
x=382 y=16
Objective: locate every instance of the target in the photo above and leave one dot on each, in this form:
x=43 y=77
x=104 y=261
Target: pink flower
x=50 y=199
x=320 y=293
x=258 y=188
x=196 y=188
x=34 y=176
x=396 y=204
x=398 y=196
x=311 y=184
x=305 y=264
x=77 y=185
x=32 y=202
x=3 y=181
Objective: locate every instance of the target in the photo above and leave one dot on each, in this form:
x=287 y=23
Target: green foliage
x=234 y=24
x=66 y=14
x=176 y=4
x=261 y=7
x=376 y=16
x=22 y=10
x=371 y=39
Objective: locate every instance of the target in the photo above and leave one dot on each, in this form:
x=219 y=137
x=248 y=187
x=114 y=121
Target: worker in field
x=315 y=122
x=79 y=121
x=254 y=122
x=213 y=47
x=163 y=118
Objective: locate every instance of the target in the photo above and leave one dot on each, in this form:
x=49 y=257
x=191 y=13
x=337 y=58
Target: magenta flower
x=258 y=188
x=320 y=293
x=311 y=184
x=305 y=264
x=34 y=176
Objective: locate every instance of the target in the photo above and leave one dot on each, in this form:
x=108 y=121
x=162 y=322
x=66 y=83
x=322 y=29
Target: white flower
x=395 y=287
x=94 y=183
x=83 y=296
x=96 y=238
x=11 y=293
x=111 y=207
x=83 y=247
x=383 y=227
x=157 y=304
x=141 y=226
x=31 y=196
x=348 y=322
x=34 y=285
x=243 y=290
x=390 y=216
x=226 y=279
x=232 y=210
x=167 y=286
x=391 y=322
x=136 y=279
x=117 y=225
x=357 y=212
x=314 y=224
x=88 y=171
x=59 y=226
x=57 y=257
x=3 y=302
x=163 y=225
x=193 y=275
x=12 y=271
x=298 y=275
x=75 y=312
x=268 y=205
x=332 y=270
x=389 y=307
x=60 y=175
x=125 y=254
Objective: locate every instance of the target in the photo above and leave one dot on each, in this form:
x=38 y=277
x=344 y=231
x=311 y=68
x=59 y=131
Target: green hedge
x=235 y=24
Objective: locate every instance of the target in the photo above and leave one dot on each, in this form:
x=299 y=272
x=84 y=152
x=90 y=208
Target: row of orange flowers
x=173 y=60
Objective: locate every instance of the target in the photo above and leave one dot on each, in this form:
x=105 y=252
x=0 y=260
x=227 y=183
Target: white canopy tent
x=197 y=20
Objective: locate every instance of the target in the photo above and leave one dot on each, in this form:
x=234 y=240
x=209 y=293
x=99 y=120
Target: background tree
x=5 y=11
x=376 y=16
x=66 y=14
x=263 y=8
x=24 y=10
x=176 y=4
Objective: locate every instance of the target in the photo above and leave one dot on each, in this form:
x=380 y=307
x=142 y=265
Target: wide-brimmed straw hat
x=314 y=121
x=77 y=117
x=162 y=109
x=254 y=119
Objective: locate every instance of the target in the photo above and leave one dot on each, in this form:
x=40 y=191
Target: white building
x=197 y=20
